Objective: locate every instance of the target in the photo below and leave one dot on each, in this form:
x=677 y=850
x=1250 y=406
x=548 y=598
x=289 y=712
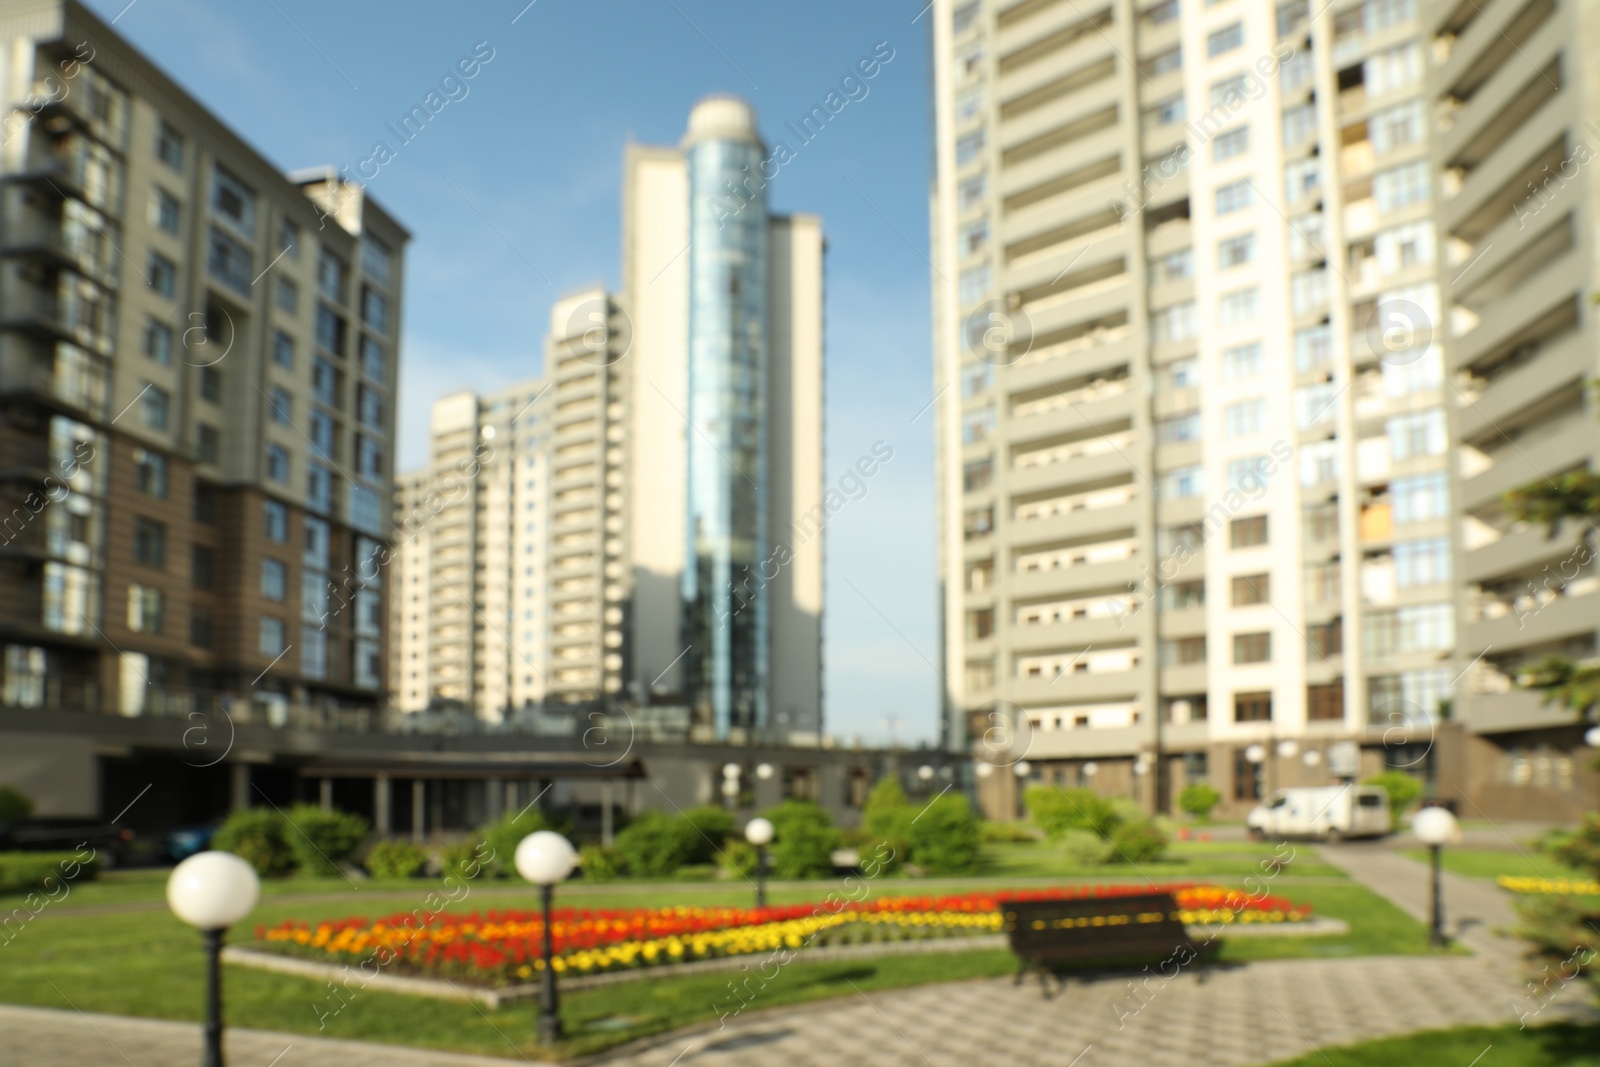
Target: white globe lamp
x=1434 y=826
x=211 y=891
x=544 y=858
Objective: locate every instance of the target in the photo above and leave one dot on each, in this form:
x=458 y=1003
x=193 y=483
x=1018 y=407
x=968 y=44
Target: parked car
x=1326 y=812
x=109 y=841
x=185 y=841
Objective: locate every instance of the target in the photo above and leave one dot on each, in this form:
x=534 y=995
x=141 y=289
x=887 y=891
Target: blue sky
x=512 y=194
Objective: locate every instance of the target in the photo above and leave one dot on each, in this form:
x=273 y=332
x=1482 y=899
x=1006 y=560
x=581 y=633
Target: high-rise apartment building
x=197 y=363
x=1195 y=489
x=1518 y=108
x=629 y=531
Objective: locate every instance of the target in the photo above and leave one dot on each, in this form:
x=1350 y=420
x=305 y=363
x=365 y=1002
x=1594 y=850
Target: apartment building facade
x=1518 y=109
x=627 y=536
x=1193 y=438
x=198 y=355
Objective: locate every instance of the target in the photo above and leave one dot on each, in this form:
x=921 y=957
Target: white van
x=1327 y=812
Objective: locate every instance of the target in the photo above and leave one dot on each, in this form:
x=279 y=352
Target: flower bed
x=503 y=947
x=1565 y=887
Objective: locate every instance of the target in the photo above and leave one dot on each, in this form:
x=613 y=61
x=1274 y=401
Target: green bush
x=600 y=863
x=1084 y=848
x=1006 y=833
x=261 y=838
x=504 y=835
x=43 y=872
x=944 y=837
x=708 y=828
x=462 y=861
x=887 y=813
x=395 y=859
x=739 y=859
x=803 y=840
x=655 y=844
x=1403 y=791
x=1055 y=811
x=320 y=839
x=14 y=804
x=1199 y=799
x=1137 y=842
x=1580 y=848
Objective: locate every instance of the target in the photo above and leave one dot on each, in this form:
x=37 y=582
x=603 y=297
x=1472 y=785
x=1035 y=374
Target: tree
x=803 y=840
x=944 y=837
x=1198 y=798
x=1403 y=791
x=1057 y=811
x=655 y=844
x=14 y=804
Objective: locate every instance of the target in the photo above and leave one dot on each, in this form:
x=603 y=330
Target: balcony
x=69 y=377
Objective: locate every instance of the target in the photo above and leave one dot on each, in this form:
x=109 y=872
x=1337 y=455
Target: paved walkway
x=1214 y=1017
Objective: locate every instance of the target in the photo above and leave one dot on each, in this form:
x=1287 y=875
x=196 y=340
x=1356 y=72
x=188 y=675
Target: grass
x=111 y=946
x=1561 y=1045
x=1489 y=863
x=1182 y=861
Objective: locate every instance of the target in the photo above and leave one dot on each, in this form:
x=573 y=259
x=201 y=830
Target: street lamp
x=544 y=858
x=211 y=891
x=1433 y=827
x=764 y=771
x=925 y=773
x=759 y=833
x=1591 y=737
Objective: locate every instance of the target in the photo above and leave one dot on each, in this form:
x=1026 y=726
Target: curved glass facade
x=726 y=622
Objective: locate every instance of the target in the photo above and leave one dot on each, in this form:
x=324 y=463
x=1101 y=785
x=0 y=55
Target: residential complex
x=1199 y=519
x=623 y=529
x=197 y=362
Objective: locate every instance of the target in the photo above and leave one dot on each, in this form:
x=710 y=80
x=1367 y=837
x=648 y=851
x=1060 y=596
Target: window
x=313 y=652
x=969 y=146
x=1238 y=307
x=369 y=406
x=974 y=284
x=1182 y=482
x=366 y=670
x=271 y=639
x=319 y=487
x=317 y=541
x=325 y=382
x=158 y=341
x=366 y=509
x=150 y=473
x=976 y=379
x=211 y=384
x=1396 y=127
x=322 y=434
x=1296 y=71
x=1161 y=13
x=1183 y=374
x=234 y=202
x=1252 y=707
x=203 y=567
x=1315 y=403
x=1227 y=145
x=1299 y=124
x=169 y=146
x=1162 y=63
x=150 y=542
x=1173 y=324
x=230 y=262
x=164 y=210
x=1175 y=429
x=274 y=579
x=202 y=628
x=331 y=273
x=1301 y=180
x=208 y=443
x=977 y=476
x=1324 y=639
x=1420 y=433
x=205 y=503
x=162 y=275
x=1252 y=648
x=977 y=522
x=1320 y=520
x=278 y=463
x=1225 y=40
x=1247 y=533
x=282 y=349
x=1417 y=628
x=280 y=406
x=1319 y=463
x=1188 y=538
x=1400 y=186
x=1168 y=112
x=1236 y=251
x=974 y=237
x=146 y=609
x=1313 y=348
x=1308 y=291
x=963 y=18
x=971 y=192
x=289 y=238
x=1325 y=702
x=1230 y=94
x=155 y=405
x=374 y=363
x=1409 y=696
x=1305 y=236
x=1393 y=69
x=1244 y=417
x=1181 y=595
x=1182 y=651
x=287 y=296
x=1424 y=562
x=977 y=426
x=1242 y=362
x=277 y=521
x=374 y=309
x=330 y=330
x=1251 y=589
x=1172 y=267
x=1235 y=196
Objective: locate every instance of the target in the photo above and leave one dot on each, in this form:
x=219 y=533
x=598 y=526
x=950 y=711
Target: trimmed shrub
x=708 y=829
x=14 y=804
x=1006 y=833
x=1579 y=848
x=461 y=861
x=260 y=838
x=320 y=839
x=944 y=837
x=738 y=859
x=1137 y=842
x=887 y=813
x=600 y=863
x=30 y=872
x=1403 y=791
x=504 y=835
x=1056 y=811
x=395 y=859
x=1084 y=848
x=1198 y=799
x=803 y=841
x=655 y=844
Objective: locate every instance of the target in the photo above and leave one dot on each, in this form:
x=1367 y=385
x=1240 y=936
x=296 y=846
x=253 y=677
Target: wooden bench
x=1047 y=935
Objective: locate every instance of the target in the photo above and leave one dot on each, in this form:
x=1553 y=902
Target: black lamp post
x=759 y=833
x=545 y=858
x=1433 y=827
x=211 y=891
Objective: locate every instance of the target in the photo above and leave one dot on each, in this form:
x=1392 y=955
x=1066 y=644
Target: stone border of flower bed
x=439 y=988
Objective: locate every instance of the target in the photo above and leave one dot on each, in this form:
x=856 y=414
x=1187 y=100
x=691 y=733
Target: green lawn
x=1183 y=860
x=1561 y=1045
x=112 y=947
x=1491 y=863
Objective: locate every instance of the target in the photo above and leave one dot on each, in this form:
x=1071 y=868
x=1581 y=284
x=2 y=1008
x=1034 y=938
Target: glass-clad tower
x=726 y=623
